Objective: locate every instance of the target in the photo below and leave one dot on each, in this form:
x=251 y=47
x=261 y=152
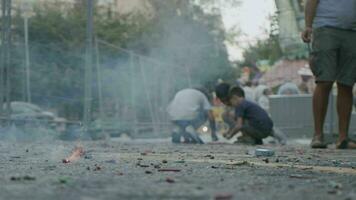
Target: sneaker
x=258 y=142
x=214 y=138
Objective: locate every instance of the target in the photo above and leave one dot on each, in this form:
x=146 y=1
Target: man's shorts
x=333 y=56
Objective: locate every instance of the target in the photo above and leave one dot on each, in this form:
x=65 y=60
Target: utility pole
x=187 y=70
x=3 y=57
x=8 y=48
x=133 y=91
x=99 y=79
x=27 y=12
x=149 y=100
x=88 y=66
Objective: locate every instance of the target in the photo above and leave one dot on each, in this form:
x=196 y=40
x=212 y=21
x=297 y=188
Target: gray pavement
x=156 y=169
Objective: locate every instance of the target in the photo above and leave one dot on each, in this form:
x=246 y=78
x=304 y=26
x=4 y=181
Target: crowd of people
x=331 y=29
x=246 y=110
x=260 y=93
x=191 y=107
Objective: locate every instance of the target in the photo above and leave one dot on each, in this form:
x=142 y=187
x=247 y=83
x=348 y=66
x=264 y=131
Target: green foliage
x=263 y=50
x=268 y=49
x=180 y=35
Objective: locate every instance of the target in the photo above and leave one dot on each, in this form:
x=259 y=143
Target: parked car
x=27 y=113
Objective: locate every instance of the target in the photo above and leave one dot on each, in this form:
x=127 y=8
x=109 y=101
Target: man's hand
x=310 y=12
x=307 y=34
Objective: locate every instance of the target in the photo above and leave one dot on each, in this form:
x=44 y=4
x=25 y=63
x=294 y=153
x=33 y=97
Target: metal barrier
x=293 y=115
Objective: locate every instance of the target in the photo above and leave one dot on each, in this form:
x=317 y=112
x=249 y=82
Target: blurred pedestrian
x=261 y=86
x=249 y=91
x=331 y=26
x=288 y=88
x=307 y=85
x=263 y=101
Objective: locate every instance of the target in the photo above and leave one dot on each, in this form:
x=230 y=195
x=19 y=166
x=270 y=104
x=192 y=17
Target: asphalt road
x=156 y=169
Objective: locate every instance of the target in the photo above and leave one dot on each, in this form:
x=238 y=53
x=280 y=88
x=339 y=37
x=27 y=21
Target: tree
x=184 y=40
x=57 y=35
x=265 y=49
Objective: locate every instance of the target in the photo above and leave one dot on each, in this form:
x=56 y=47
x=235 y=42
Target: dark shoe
x=318 y=143
x=346 y=144
x=258 y=142
x=189 y=142
x=214 y=138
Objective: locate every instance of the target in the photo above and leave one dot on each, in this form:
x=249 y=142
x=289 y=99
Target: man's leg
x=201 y=120
x=320 y=106
x=253 y=133
x=192 y=132
x=279 y=135
x=344 y=109
x=181 y=126
x=176 y=133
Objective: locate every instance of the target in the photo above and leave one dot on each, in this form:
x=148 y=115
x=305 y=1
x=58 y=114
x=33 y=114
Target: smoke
x=181 y=49
x=136 y=70
x=15 y=133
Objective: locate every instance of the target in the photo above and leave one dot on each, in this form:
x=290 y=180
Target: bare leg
x=176 y=134
x=280 y=136
x=344 y=108
x=320 y=106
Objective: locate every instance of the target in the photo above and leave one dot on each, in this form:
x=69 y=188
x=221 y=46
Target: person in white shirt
x=188 y=110
x=263 y=101
x=288 y=88
x=259 y=90
x=249 y=91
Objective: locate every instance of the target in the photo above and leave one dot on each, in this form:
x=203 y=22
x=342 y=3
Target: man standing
x=333 y=59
